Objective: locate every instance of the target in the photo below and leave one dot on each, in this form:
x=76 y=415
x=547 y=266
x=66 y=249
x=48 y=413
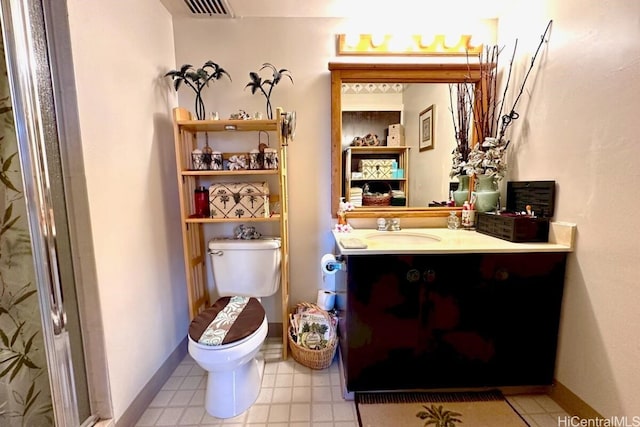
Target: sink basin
x=401 y=238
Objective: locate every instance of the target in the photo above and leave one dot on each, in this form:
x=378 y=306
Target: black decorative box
x=511 y=225
x=398 y=201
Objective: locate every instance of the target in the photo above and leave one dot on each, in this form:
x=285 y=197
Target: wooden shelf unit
x=354 y=154
x=194 y=245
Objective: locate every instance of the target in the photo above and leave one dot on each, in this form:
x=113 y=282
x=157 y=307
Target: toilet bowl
x=234 y=375
x=225 y=339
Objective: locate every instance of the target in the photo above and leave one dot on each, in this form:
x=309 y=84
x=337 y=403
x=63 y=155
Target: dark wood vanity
x=431 y=321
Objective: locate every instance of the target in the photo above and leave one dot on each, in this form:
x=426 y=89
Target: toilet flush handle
x=219 y=253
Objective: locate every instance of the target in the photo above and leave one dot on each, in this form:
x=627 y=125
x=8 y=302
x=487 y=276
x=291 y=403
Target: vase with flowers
x=487 y=163
x=486 y=160
x=343 y=208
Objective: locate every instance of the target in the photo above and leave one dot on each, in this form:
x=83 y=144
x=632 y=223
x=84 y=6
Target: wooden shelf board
x=229 y=173
x=378 y=179
x=376 y=149
x=220 y=220
x=223 y=125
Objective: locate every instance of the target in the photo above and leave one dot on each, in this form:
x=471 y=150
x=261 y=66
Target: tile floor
x=292 y=395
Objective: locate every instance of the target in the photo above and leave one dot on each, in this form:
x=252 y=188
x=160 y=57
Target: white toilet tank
x=246 y=267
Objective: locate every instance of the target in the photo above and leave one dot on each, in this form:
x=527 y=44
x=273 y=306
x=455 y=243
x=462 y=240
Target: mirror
x=416 y=95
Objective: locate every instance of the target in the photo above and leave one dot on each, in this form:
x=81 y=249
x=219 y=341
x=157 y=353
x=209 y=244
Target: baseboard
x=346 y=394
x=571 y=403
x=149 y=391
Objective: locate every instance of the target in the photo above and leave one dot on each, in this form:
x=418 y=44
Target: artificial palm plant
x=197 y=80
x=266 y=86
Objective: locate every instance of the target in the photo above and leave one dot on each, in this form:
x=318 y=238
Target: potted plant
x=197 y=80
x=490 y=122
x=266 y=86
x=487 y=155
x=487 y=158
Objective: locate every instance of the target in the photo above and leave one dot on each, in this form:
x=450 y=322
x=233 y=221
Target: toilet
x=225 y=338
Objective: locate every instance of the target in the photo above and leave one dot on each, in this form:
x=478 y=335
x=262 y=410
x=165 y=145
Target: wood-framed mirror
x=369 y=77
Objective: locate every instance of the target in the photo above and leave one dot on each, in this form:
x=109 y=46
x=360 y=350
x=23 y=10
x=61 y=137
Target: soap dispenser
x=453 y=222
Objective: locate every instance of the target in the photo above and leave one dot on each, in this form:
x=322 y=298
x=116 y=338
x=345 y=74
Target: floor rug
x=468 y=409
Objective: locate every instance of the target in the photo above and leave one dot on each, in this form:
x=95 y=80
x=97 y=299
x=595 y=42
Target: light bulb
x=377 y=40
x=352 y=39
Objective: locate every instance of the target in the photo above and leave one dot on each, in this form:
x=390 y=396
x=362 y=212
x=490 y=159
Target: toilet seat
x=245 y=325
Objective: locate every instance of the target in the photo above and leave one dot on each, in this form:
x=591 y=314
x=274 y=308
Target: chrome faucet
x=392 y=224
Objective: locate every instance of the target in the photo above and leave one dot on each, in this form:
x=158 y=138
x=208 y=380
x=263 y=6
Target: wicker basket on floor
x=314 y=359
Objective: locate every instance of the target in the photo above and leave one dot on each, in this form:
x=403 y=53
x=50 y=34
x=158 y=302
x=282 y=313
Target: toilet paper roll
x=326 y=300
x=328 y=264
x=328 y=283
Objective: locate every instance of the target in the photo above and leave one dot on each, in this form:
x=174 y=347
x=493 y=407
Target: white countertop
x=561 y=237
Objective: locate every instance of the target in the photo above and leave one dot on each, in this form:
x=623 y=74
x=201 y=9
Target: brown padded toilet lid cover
x=247 y=322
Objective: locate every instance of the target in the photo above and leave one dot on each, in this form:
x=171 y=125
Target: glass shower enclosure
x=43 y=373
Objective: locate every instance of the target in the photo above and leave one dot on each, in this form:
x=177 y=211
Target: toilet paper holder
x=336 y=265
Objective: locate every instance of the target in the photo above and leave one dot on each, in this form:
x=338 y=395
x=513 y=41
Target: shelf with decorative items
x=229 y=187
x=378 y=174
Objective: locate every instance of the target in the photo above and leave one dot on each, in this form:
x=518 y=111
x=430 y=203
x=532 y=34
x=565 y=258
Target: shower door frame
x=43 y=93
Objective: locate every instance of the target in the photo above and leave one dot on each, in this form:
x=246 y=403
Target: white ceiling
x=358 y=8
x=392 y=9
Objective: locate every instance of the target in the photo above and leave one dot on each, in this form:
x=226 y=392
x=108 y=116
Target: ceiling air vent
x=199 y=8
x=208 y=7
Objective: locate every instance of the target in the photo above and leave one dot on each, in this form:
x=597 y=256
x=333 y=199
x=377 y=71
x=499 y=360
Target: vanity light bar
x=368 y=44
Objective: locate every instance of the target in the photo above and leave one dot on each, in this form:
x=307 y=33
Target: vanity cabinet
x=354 y=155
x=449 y=320
x=239 y=134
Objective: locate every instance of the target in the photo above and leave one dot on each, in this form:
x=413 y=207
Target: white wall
x=580 y=127
x=119 y=50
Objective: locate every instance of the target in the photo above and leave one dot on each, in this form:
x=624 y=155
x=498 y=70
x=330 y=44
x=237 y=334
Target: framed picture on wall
x=425 y=132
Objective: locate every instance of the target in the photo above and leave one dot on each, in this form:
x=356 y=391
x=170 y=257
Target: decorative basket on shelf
x=370 y=198
x=314 y=359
